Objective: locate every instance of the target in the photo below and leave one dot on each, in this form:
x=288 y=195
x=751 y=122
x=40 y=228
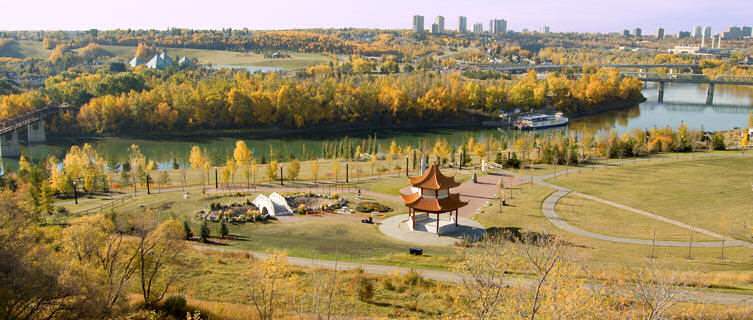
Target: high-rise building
x=659 y=33
x=478 y=27
x=707 y=32
x=545 y=29
x=697 y=32
x=418 y=23
x=439 y=20
x=434 y=28
x=732 y=33
x=462 y=24
x=637 y=32
x=498 y=26
x=683 y=34
x=626 y=33
x=747 y=32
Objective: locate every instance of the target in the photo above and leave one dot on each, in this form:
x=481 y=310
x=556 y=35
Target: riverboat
x=541 y=121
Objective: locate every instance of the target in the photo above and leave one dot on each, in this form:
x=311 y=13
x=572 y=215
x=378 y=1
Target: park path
x=453 y=277
x=548 y=208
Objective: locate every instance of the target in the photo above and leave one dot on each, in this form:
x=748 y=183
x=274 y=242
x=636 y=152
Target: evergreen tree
x=223 y=229
x=187 y=229
x=204 y=237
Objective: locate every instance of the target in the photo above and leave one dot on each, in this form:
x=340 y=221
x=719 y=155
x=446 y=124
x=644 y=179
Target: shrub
x=223 y=229
x=412 y=279
x=717 y=142
x=187 y=230
x=369 y=206
x=62 y=209
x=301 y=208
x=175 y=305
x=364 y=288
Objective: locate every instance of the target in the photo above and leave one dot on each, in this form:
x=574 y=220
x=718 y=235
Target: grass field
x=214 y=57
x=600 y=218
x=711 y=193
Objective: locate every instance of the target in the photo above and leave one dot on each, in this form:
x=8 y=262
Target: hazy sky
x=560 y=15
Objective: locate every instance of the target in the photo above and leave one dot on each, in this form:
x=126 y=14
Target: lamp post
x=281 y=177
x=347 y=168
x=216 y=183
x=148 y=190
x=75 y=193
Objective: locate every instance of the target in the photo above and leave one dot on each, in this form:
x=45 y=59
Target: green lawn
x=711 y=193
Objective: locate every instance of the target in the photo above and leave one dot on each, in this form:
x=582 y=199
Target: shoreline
x=324 y=130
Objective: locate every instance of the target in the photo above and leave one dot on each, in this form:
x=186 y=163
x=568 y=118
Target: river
x=682 y=102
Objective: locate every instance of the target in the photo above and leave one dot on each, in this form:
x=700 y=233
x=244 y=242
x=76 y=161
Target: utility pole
x=216 y=183
x=281 y=177
x=148 y=191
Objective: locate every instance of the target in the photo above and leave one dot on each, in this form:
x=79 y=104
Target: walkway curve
x=548 y=208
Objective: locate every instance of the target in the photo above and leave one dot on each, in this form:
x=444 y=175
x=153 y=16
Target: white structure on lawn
x=160 y=61
x=274 y=205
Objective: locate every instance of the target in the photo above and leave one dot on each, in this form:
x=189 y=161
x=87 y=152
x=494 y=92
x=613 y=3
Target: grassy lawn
x=524 y=211
x=600 y=218
x=711 y=193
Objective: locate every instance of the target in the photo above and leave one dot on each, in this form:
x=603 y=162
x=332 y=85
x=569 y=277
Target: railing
x=11 y=123
x=112 y=204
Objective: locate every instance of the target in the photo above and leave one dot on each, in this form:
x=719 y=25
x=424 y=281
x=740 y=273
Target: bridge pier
x=661 y=91
x=710 y=94
x=9 y=146
x=35 y=132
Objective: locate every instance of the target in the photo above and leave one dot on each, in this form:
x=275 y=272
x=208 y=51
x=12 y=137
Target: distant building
x=637 y=32
x=462 y=24
x=683 y=34
x=157 y=62
x=626 y=33
x=478 y=27
x=697 y=32
x=747 y=32
x=439 y=21
x=497 y=26
x=185 y=61
x=732 y=33
x=418 y=24
x=545 y=29
x=707 y=32
x=434 y=28
x=659 y=33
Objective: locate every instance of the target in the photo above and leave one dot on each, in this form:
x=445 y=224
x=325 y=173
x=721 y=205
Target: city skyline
x=573 y=16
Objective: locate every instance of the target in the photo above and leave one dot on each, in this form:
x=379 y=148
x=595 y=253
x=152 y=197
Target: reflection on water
x=683 y=102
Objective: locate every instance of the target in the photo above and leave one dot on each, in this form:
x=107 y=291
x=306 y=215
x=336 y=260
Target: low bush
x=175 y=305
x=369 y=206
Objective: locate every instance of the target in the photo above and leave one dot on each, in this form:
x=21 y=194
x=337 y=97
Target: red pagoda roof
x=416 y=202
x=433 y=179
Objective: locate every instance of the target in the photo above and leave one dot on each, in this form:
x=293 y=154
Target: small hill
x=9 y=48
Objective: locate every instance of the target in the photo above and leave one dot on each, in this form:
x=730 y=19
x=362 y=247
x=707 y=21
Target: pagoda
x=431 y=195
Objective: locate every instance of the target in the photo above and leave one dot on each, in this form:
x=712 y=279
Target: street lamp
x=75 y=193
x=216 y=184
x=148 y=190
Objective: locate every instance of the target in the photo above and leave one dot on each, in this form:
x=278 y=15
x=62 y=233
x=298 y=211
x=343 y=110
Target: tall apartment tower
x=545 y=29
x=439 y=20
x=462 y=24
x=418 y=24
x=637 y=32
x=697 y=32
x=478 y=27
x=498 y=26
x=659 y=33
x=707 y=32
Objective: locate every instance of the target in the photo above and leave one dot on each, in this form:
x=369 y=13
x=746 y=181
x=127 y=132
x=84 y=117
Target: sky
x=561 y=15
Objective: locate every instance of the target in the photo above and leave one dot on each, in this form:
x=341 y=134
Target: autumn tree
x=273 y=171
x=267 y=285
x=294 y=168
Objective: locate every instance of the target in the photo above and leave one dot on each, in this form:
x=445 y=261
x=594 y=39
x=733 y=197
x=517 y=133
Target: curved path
x=548 y=208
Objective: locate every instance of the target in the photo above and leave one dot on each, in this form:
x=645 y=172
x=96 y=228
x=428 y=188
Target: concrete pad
x=398 y=227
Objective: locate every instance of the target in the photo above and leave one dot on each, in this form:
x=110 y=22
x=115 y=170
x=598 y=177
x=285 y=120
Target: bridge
x=555 y=67
x=34 y=123
x=690 y=78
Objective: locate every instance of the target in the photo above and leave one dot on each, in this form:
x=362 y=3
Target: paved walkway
x=548 y=208
x=397 y=227
x=453 y=277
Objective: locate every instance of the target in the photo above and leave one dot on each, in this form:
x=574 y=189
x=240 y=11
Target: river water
x=682 y=103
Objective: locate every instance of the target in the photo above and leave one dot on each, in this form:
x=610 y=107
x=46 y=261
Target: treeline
x=156 y=101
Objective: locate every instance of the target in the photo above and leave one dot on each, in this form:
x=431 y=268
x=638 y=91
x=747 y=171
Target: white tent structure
x=157 y=63
x=185 y=61
x=274 y=205
x=135 y=62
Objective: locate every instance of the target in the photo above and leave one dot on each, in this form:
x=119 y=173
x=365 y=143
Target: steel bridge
x=34 y=123
x=721 y=79
x=555 y=67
